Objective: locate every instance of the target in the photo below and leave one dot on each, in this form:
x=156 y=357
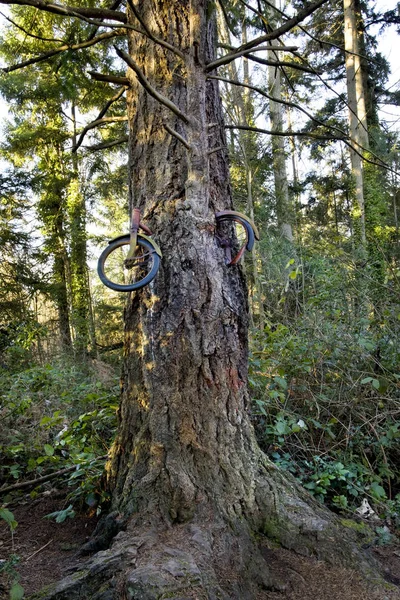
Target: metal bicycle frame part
x=135 y=240
x=249 y=227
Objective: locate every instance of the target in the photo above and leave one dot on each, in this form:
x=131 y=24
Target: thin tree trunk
x=78 y=257
x=357 y=108
x=284 y=208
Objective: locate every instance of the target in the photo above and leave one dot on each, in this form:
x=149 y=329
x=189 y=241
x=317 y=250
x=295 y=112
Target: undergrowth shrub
x=56 y=416
x=325 y=382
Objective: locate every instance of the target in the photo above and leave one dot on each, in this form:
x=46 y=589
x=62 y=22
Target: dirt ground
x=48 y=549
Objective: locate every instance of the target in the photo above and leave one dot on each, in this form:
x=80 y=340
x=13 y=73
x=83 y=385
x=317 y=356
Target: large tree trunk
x=189 y=482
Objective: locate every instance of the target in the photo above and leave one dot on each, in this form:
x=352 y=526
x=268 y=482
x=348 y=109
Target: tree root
x=203 y=561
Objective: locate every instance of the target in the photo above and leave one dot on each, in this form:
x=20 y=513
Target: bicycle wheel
x=243 y=233
x=122 y=275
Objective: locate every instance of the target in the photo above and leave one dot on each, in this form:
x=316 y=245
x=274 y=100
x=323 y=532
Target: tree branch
x=100 y=118
x=105 y=145
x=64 y=48
x=216 y=149
x=28 y=33
x=110 y=78
x=275 y=63
x=74 y=11
x=273 y=35
x=271 y=47
x=280 y=101
x=149 y=88
x=228 y=58
x=94 y=124
x=113 y=6
x=318 y=40
x=343 y=135
x=177 y=135
x=316 y=136
x=40 y=480
x=284 y=133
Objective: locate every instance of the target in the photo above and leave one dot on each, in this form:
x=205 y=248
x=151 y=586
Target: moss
x=356 y=526
x=272 y=529
x=43 y=593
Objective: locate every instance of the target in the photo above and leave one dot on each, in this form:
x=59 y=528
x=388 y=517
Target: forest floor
x=47 y=550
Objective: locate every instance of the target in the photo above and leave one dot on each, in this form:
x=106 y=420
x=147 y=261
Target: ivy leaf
x=16 y=592
x=49 y=450
x=377 y=491
x=281 y=382
x=8 y=517
x=281 y=427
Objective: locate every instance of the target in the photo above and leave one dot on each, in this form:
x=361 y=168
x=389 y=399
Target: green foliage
x=54 y=417
x=8 y=517
x=325 y=383
x=9 y=568
x=62 y=515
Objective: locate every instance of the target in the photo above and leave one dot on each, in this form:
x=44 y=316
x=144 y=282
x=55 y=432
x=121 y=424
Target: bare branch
x=74 y=11
x=343 y=135
x=86 y=44
x=43 y=478
x=271 y=47
x=153 y=37
x=277 y=63
x=281 y=101
x=177 y=136
x=216 y=149
x=149 y=88
x=104 y=145
x=113 y=6
x=284 y=133
x=285 y=27
x=273 y=35
x=315 y=136
x=228 y=58
x=110 y=78
x=314 y=71
x=319 y=40
x=100 y=120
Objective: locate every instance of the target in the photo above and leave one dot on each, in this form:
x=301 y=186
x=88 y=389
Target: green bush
x=56 y=416
x=325 y=383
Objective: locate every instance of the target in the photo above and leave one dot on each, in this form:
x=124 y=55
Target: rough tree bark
x=191 y=489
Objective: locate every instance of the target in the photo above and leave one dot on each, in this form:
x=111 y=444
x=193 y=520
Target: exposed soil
x=310 y=579
x=47 y=550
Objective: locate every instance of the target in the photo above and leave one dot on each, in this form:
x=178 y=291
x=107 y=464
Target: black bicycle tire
x=117 y=243
x=245 y=224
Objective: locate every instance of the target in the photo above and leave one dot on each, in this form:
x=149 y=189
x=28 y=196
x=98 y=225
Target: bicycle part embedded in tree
x=130 y=261
x=251 y=233
x=122 y=271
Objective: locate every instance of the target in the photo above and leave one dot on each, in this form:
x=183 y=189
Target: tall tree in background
x=357 y=104
x=187 y=476
x=284 y=208
x=45 y=130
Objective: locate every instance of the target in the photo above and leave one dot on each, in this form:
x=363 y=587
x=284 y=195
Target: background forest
x=317 y=171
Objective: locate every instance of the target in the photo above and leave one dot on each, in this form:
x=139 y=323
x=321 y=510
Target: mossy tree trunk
x=79 y=284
